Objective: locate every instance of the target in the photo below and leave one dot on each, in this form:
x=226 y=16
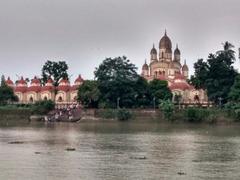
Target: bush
x=196 y=114
x=42 y=107
x=123 y=114
x=167 y=107
x=233 y=110
x=107 y=113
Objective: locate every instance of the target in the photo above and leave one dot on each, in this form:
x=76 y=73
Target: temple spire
x=165 y=32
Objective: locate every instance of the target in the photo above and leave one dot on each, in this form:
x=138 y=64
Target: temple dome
x=153 y=50
x=21 y=82
x=145 y=66
x=35 y=85
x=79 y=80
x=165 y=42
x=9 y=82
x=35 y=80
x=177 y=51
x=64 y=85
x=185 y=67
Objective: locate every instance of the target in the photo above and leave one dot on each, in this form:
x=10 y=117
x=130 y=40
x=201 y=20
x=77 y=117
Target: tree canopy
x=119 y=84
x=88 y=94
x=216 y=74
x=159 y=89
x=6 y=93
x=116 y=82
x=234 y=94
x=55 y=70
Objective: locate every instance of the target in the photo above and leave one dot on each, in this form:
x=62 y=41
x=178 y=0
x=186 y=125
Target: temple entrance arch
x=31 y=99
x=60 y=99
x=196 y=98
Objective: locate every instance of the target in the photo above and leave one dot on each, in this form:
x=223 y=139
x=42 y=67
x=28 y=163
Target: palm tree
x=227 y=53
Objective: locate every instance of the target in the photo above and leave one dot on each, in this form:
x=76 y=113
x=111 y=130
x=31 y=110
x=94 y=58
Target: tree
x=228 y=53
x=159 y=89
x=88 y=94
x=234 y=94
x=220 y=78
x=200 y=74
x=143 y=97
x=6 y=93
x=167 y=107
x=217 y=74
x=55 y=70
x=116 y=82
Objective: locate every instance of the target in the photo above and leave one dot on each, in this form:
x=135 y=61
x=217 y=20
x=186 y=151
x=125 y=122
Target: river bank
x=203 y=116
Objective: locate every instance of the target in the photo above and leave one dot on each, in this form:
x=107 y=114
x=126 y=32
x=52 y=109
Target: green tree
x=200 y=74
x=88 y=94
x=167 y=107
x=228 y=53
x=234 y=94
x=143 y=97
x=220 y=78
x=43 y=107
x=116 y=82
x=55 y=70
x=159 y=89
x=6 y=93
x=217 y=74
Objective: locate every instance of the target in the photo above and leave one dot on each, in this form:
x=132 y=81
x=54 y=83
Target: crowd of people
x=65 y=112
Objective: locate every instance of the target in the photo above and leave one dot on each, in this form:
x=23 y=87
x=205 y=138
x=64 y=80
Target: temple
x=64 y=93
x=165 y=65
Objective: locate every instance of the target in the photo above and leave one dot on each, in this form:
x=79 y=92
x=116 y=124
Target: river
x=118 y=151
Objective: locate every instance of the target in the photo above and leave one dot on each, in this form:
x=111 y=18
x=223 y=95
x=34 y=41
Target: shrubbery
x=119 y=114
x=196 y=114
x=123 y=114
x=233 y=110
x=107 y=113
x=167 y=107
x=42 y=107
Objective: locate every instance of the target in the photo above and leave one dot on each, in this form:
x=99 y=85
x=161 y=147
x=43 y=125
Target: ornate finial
x=153 y=45
x=165 y=32
x=177 y=46
x=145 y=61
x=184 y=61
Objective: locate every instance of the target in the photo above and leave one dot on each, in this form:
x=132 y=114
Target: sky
x=84 y=32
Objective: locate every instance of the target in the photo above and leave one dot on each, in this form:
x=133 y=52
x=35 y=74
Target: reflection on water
x=115 y=150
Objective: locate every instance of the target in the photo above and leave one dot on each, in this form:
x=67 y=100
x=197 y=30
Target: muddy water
x=119 y=150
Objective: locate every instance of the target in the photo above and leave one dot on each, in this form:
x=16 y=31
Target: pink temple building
x=35 y=91
x=165 y=65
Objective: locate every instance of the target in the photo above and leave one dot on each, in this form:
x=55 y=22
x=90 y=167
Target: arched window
x=196 y=98
x=31 y=99
x=60 y=99
x=75 y=98
x=45 y=98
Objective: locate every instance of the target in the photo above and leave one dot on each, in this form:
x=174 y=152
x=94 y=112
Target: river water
x=118 y=151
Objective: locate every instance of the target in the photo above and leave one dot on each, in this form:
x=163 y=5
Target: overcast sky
x=84 y=32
